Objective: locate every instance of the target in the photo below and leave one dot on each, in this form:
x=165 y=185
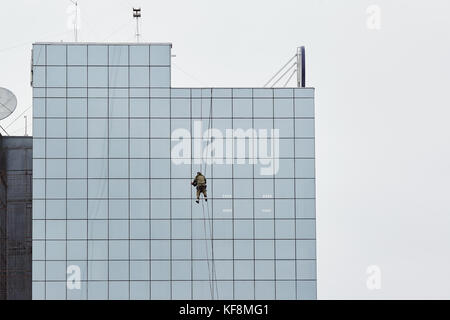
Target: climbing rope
x=207 y=217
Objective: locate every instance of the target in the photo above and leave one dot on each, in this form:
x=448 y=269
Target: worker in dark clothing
x=200 y=183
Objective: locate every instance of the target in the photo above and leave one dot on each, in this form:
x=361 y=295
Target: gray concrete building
x=15 y=217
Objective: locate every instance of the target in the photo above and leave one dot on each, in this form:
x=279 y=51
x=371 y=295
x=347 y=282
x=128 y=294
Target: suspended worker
x=200 y=183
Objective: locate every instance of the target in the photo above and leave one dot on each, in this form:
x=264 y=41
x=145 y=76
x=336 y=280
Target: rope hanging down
x=207 y=217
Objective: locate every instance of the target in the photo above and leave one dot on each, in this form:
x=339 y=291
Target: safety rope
x=207 y=217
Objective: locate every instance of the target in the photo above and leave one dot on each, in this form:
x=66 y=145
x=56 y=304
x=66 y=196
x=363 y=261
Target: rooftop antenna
x=296 y=64
x=300 y=67
x=137 y=15
x=75 y=22
x=8 y=103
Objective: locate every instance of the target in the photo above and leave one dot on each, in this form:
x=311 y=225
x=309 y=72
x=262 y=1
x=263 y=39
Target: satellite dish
x=8 y=103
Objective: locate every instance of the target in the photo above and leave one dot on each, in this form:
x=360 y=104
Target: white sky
x=382 y=108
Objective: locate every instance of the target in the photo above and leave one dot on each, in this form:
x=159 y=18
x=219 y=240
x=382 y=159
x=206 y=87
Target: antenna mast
x=137 y=15
x=75 y=22
x=300 y=67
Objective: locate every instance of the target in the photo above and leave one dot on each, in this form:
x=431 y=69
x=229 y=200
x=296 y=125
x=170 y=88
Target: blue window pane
x=56 y=76
x=284 y=188
x=242 y=107
x=139 y=188
x=160 y=290
x=118 y=128
x=97 y=55
x=243 y=270
x=159 y=107
x=98 y=128
x=76 y=148
x=139 y=108
x=118 y=168
x=243 y=229
x=118 y=209
x=56 y=55
x=39 y=54
x=76 y=229
x=98 y=168
x=139 y=229
x=77 y=107
x=97 y=188
x=139 y=148
x=264 y=249
x=118 y=77
x=98 y=77
x=304 y=128
x=264 y=270
x=98 y=108
x=139 y=77
x=285 y=127
x=140 y=270
x=160 y=128
x=77 y=76
x=181 y=188
x=56 y=108
x=118 y=108
x=160 y=229
x=243 y=249
x=307 y=290
x=284 y=208
x=304 y=148
x=306 y=249
x=139 y=55
x=160 y=55
x=285 y=290
x=285 y=249
x=98 y=250
x=139 y=128
x=305 y=188
x=263 y=108
x=264 y=188
x=243 y=188
x=306 y=269
x=118 y=189
x=76 y=128
x=264 y=229
x=56 y=168
x=39 y=75
x=306 y=229
x=159 y=77
x=139 y=249
x=284 y=229
x=181 y=107
x=283 y=108
x=77 y=209
x=77 y=55
x=304 y=108
x=118 y=229
x=286 y=148
x=118 y=55
x=160 y=168
x=221 y=108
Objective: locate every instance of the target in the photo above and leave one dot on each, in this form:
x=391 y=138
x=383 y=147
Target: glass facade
x=115 y=149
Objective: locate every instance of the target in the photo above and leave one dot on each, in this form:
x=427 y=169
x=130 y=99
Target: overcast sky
x=382 y=108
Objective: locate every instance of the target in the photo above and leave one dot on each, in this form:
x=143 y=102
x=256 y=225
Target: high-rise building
x=115 y=149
